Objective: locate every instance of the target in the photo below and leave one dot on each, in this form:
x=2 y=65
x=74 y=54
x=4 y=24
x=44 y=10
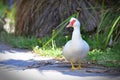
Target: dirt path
x=19 y=64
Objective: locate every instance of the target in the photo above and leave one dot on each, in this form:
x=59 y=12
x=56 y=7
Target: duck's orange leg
x=73 y=67
x=79 y=66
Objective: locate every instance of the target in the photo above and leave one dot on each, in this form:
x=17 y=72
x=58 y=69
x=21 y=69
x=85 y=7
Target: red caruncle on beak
x=72 y=22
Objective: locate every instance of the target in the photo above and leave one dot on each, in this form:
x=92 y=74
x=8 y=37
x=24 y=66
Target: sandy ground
x=21 y=64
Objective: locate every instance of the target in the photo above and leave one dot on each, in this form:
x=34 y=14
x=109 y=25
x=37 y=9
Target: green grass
x=107 y=58
x=18 y=41
x=109 y=24
x=49 y=52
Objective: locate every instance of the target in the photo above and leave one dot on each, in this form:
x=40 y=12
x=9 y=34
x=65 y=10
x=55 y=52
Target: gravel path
x=21 y=64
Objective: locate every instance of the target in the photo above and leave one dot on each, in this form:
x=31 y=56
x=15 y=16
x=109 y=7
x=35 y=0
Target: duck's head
x=74 y=23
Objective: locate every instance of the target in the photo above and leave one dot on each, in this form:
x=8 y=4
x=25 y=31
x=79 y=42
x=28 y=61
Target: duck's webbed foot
x=73 y=67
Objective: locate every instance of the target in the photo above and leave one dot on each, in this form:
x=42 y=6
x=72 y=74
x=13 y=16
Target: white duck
x=76 y=49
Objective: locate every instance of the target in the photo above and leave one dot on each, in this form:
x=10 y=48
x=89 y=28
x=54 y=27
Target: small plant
x=56 y=53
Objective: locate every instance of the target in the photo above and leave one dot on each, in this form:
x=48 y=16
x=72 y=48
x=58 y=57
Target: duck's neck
x=76 y=35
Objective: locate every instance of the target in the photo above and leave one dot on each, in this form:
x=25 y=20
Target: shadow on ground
x=24 y=60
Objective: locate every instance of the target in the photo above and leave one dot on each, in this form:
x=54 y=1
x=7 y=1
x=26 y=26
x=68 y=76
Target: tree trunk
x=39 y=17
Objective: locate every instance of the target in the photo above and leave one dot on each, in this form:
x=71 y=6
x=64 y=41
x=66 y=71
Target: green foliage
x=108 y=57
x=56 y=53
x=109 y=24
x=19 y=41
x=112 y=29
x=2 y=9
x=11 y=14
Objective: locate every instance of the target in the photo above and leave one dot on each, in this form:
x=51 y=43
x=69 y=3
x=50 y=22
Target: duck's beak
x=69 y=25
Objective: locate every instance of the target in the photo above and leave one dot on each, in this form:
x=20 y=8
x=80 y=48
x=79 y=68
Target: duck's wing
x=66 y=47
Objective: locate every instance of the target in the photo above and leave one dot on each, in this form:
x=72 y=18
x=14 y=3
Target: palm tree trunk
x=39 y=17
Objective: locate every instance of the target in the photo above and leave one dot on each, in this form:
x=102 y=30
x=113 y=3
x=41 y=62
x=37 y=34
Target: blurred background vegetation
x=40 y=25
